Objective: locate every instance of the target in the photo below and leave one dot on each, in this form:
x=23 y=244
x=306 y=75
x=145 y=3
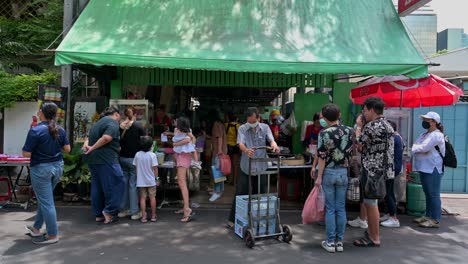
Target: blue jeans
x=130 y=193
x=431 y=187
x=44 y=178
x=334 y=185
x=107 y=186
x=218 y=187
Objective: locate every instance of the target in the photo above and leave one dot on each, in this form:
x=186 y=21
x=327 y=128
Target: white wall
x=17 y=122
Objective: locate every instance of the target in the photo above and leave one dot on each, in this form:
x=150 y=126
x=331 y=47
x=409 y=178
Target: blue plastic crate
x=241 y=223
x=242 y=204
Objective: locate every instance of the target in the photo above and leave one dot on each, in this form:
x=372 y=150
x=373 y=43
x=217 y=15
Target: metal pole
x=66 y=79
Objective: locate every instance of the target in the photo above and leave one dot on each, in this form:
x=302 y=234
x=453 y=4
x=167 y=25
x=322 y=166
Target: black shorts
x=232 y=150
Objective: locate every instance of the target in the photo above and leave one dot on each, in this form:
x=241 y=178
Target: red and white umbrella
x=400 y=91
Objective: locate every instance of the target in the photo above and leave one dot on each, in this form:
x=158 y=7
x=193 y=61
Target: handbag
x=353 y=193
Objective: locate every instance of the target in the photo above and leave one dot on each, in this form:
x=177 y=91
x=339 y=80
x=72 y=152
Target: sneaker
x=136 y=216
x=339 y=247
x=196 y=164
x=330 y=247
x=358 y=223
x=215 y=197
x=391 y=223
x=31 y=233
x=43 y=240
x=421 y=219
x=124 y=213
x=384 y=217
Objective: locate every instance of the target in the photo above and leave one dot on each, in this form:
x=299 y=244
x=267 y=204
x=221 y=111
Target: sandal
x=430 y=224
x=154 y=219
x=187 y=217
x=144 y=218
x=365 y=242
x=100 y=219
x=229 y=225
x=113 y=218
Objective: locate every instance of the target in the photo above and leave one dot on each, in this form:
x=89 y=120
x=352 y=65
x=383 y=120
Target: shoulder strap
x=438 y=149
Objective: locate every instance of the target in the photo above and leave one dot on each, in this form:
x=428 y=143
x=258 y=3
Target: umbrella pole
x=401 y=99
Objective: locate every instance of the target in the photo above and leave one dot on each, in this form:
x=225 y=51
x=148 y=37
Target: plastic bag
x=314 y=207
x=217 y=175
x=224 y=164
x=289 y=126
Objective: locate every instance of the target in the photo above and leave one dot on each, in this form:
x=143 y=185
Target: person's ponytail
x=440 y=127
x=53 y=129
x=49 y=110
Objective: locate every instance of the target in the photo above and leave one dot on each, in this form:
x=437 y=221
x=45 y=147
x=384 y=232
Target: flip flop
x=113 y=220
x=100 y=219
x=154 y=219
x=365 y=242
x=229 y=225
x=187 y=218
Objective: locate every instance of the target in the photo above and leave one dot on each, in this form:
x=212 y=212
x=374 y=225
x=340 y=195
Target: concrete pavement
x=205 y=240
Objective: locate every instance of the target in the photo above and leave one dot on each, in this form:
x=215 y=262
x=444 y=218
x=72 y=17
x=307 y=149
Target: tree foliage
x=30 y=32
x=14 y=88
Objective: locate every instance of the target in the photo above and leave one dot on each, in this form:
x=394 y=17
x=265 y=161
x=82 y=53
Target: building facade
x=421 y=26
x=451 y=39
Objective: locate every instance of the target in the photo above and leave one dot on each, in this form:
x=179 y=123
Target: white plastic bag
x=289 y=126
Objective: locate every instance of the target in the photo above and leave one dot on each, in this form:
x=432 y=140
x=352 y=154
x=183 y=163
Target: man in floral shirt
x=335 y=147
x=375 y=139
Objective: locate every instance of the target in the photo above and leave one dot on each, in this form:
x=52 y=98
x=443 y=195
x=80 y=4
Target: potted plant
x=84 y=182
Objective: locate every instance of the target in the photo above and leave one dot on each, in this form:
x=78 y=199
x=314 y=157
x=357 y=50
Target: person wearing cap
x=428 y=162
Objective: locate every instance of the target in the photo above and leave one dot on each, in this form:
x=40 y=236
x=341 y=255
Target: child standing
x=146 y=164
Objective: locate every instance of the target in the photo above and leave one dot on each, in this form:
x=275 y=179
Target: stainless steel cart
x=252 y=231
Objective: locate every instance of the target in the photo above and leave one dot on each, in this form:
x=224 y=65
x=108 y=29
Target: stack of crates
x=242 y=217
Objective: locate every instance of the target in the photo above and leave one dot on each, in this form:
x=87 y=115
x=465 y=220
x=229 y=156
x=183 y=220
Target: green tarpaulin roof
x=286 y=36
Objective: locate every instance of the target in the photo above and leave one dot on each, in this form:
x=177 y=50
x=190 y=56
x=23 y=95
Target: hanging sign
x=406 y=7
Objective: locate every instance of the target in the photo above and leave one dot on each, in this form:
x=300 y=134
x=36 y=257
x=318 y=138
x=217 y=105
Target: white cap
x=431 y=115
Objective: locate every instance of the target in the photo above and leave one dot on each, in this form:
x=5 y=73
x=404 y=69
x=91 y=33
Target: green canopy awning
x=285 y=36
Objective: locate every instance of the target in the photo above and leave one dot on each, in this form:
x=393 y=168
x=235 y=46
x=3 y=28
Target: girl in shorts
x=183 y=149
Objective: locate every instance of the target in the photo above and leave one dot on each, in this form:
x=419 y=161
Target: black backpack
x=450 y=159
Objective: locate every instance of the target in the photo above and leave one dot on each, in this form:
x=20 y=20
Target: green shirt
x=109 y=153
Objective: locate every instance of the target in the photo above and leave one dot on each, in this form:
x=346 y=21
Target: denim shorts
x=373 y=202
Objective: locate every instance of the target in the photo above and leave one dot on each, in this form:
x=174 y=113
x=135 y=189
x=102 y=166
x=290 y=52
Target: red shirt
x=312 y=132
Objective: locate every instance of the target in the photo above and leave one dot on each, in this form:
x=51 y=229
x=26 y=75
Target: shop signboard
x=56 y=94
x=406 y=7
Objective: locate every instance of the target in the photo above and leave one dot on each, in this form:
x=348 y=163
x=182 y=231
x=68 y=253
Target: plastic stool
x=5 y=189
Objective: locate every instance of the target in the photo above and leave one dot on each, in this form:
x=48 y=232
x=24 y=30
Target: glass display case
x=144 y=111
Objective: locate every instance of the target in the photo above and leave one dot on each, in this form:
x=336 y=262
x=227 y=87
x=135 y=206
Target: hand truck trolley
x=264 y=223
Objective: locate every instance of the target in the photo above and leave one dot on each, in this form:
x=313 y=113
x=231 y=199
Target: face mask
x=323 y=123
x=254 y=125
x=426 y=125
